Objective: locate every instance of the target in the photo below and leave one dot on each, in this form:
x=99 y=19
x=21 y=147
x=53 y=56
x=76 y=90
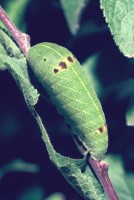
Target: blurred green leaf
x=20 y=166
x=73 y=11
x=120 y=17
x=56 y=196
x=119 y=178
x=89 y=66
x=89 y=27
x=130 y=113
x=130 y=182
x=33 y=193
x=15 y=10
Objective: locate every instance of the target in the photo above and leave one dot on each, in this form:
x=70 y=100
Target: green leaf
x=19 y=71
x=9 y=45
x=76 y=171
x=130 y=182
x=80 y=176
x=73 y=11
x=2 y=51
x=120 y=17
x=119 y=178
x=6 y=46
x=130 y=113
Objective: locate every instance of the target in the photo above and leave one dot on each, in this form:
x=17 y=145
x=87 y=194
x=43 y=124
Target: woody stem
x=22 y=39
x=101 y=170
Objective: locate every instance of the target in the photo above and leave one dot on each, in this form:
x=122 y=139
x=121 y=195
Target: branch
x=101 y=170
x=22 y=39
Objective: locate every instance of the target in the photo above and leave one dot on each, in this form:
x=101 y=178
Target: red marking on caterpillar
x=63 y=65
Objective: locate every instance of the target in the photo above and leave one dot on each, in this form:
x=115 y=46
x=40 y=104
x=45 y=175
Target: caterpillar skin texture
x=60 y=73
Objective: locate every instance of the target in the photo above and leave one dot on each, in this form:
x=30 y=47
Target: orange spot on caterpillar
x=63 y=65
x=55 y=70
x=70 y=59
x=103 y=129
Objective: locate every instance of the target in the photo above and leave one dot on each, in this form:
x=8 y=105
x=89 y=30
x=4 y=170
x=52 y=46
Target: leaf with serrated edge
x=9 y=45
x=76 y=171
x=15 y=67
x=120 y=18
x=2 y=51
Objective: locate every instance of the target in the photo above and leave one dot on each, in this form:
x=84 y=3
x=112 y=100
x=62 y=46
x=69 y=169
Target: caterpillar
x=61 y=74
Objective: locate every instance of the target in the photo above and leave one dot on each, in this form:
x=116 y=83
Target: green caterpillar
x=60 y=73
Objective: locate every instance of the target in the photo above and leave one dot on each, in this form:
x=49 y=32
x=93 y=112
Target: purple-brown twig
x=101 y=170
x=22 y=39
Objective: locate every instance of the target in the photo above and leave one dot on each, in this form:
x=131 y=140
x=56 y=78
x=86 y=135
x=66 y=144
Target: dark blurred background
x=20 y=138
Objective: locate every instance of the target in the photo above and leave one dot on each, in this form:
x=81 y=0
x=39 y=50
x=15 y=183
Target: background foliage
x=26 y=171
